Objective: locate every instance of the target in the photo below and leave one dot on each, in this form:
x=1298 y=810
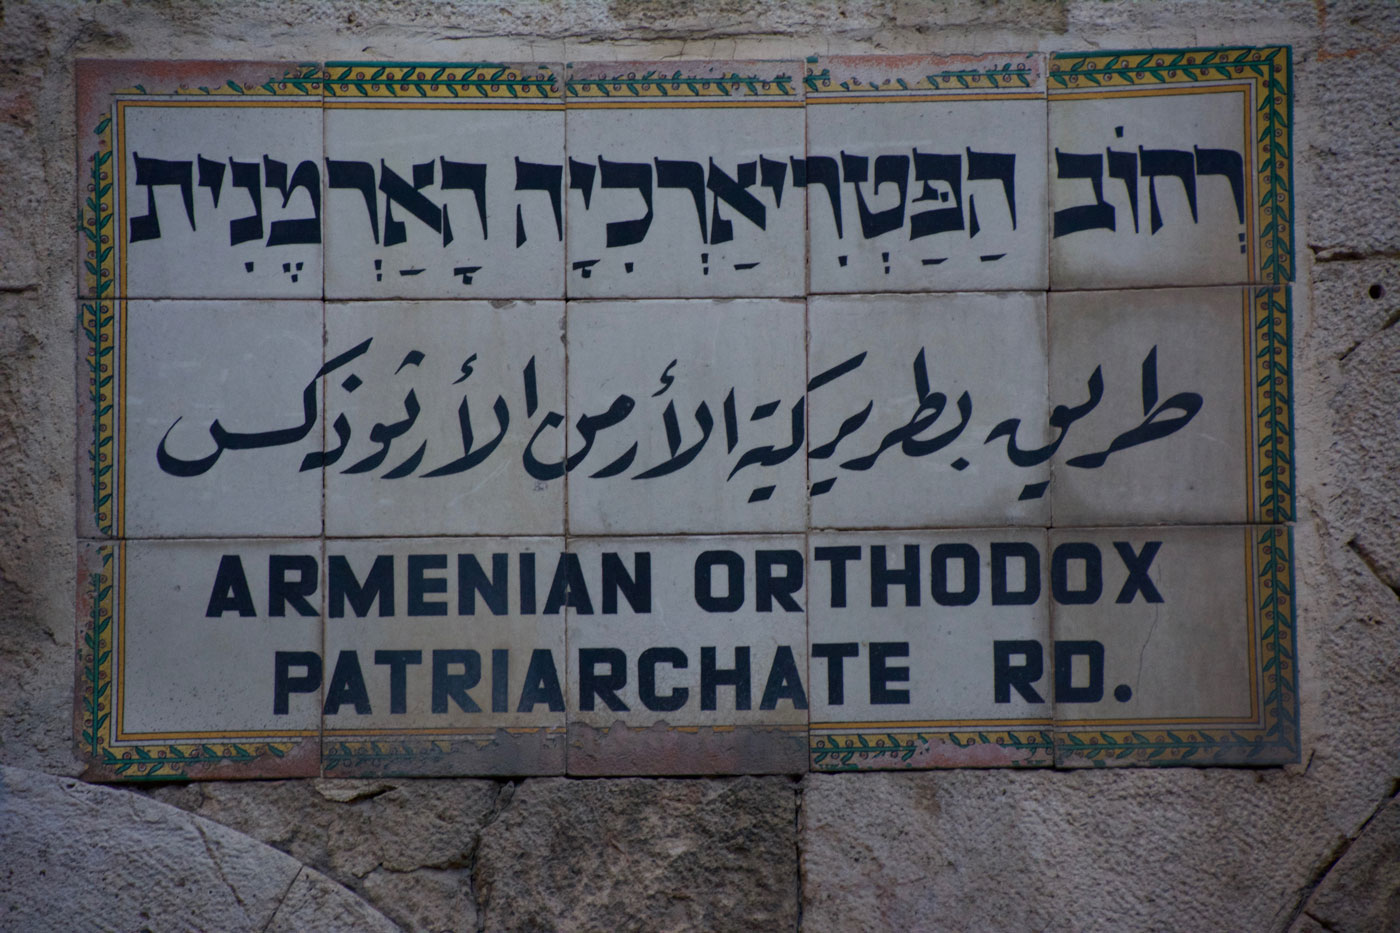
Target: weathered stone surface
x=1354 y=172
x=406 y=846
x=1362 y=891
x=639 y=854
x=79 y=856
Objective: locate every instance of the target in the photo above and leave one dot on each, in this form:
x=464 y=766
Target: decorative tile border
x=655 y=81
x=98 y=712
x=889 y=76
x=100 y=83
x=461 y=81
x=1272 y=498
x=1268 y=74
x=1271 y=737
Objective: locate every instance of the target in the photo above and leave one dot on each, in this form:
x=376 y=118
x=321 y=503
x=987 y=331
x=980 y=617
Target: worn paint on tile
x=925 y=173
x=442 y=656
x=1174 y=646
x=916 y=641
x=444 y=181
x=179 y=648
x=1171 y=167
x=683 y=179
x=434 y=427
x=686 y=655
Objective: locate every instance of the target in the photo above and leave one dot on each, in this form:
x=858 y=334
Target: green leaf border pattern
x=896 y=749
x=453 y=81
x=1273 y=501
x=1270 y=69
x=1004 y=78
x=97 y=638
x=1274 y=739
x=678 y=84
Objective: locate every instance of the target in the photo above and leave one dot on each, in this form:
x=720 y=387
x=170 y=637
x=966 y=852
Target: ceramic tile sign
x=192 y=656
x=684 y=179
x=907 y=394
x=440 y=418
x=201 y=179
x=701 y=417
x=1170 y=168
x=1173 y=645
x=687 y=655
x=926 y=174
x=202 y=403
x=687 y=416
x=444 y=181
x=442 y=656
x=1204 y=370
x=917 y=640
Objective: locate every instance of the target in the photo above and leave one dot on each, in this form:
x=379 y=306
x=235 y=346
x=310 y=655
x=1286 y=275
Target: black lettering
x=341 y=585
x=838 y=556
x=971 y=574
x=568 y=588
x=1093 y=573
x=347 y=686
x=784 y=682
x=1137 y=566
x=836 y=654
x=284 y=684
x=712 y=678
x=592 y=685
x=500 y=680
x=636 y=586
x=454 y=687
x=733 y=598
x=541 y=684
x=1065 y=653
x=770 y=586
x=646 y=679
x=230 y=592
x=1006 y=675
x=472 y=580
x=882 y=674
x=1002 y=594
x=281 y=591
x=882 y=577
x=420 y=585
x=397 y=662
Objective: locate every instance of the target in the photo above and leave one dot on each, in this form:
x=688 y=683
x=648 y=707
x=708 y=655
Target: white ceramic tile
x=445 y=197
x=1173 y=645
x=954 y=369
x=685 y=187
x=440 y=410
x=920 y=178
x=220 y=406
x=686 y=655
x=1168 y=439
x=202 y=626
x=1151 y=189
x=924 y=649
x=443 y=655
x=695 y=411
x=219 y=199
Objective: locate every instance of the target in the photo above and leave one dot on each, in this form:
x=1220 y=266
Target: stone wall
x=1305 y=847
